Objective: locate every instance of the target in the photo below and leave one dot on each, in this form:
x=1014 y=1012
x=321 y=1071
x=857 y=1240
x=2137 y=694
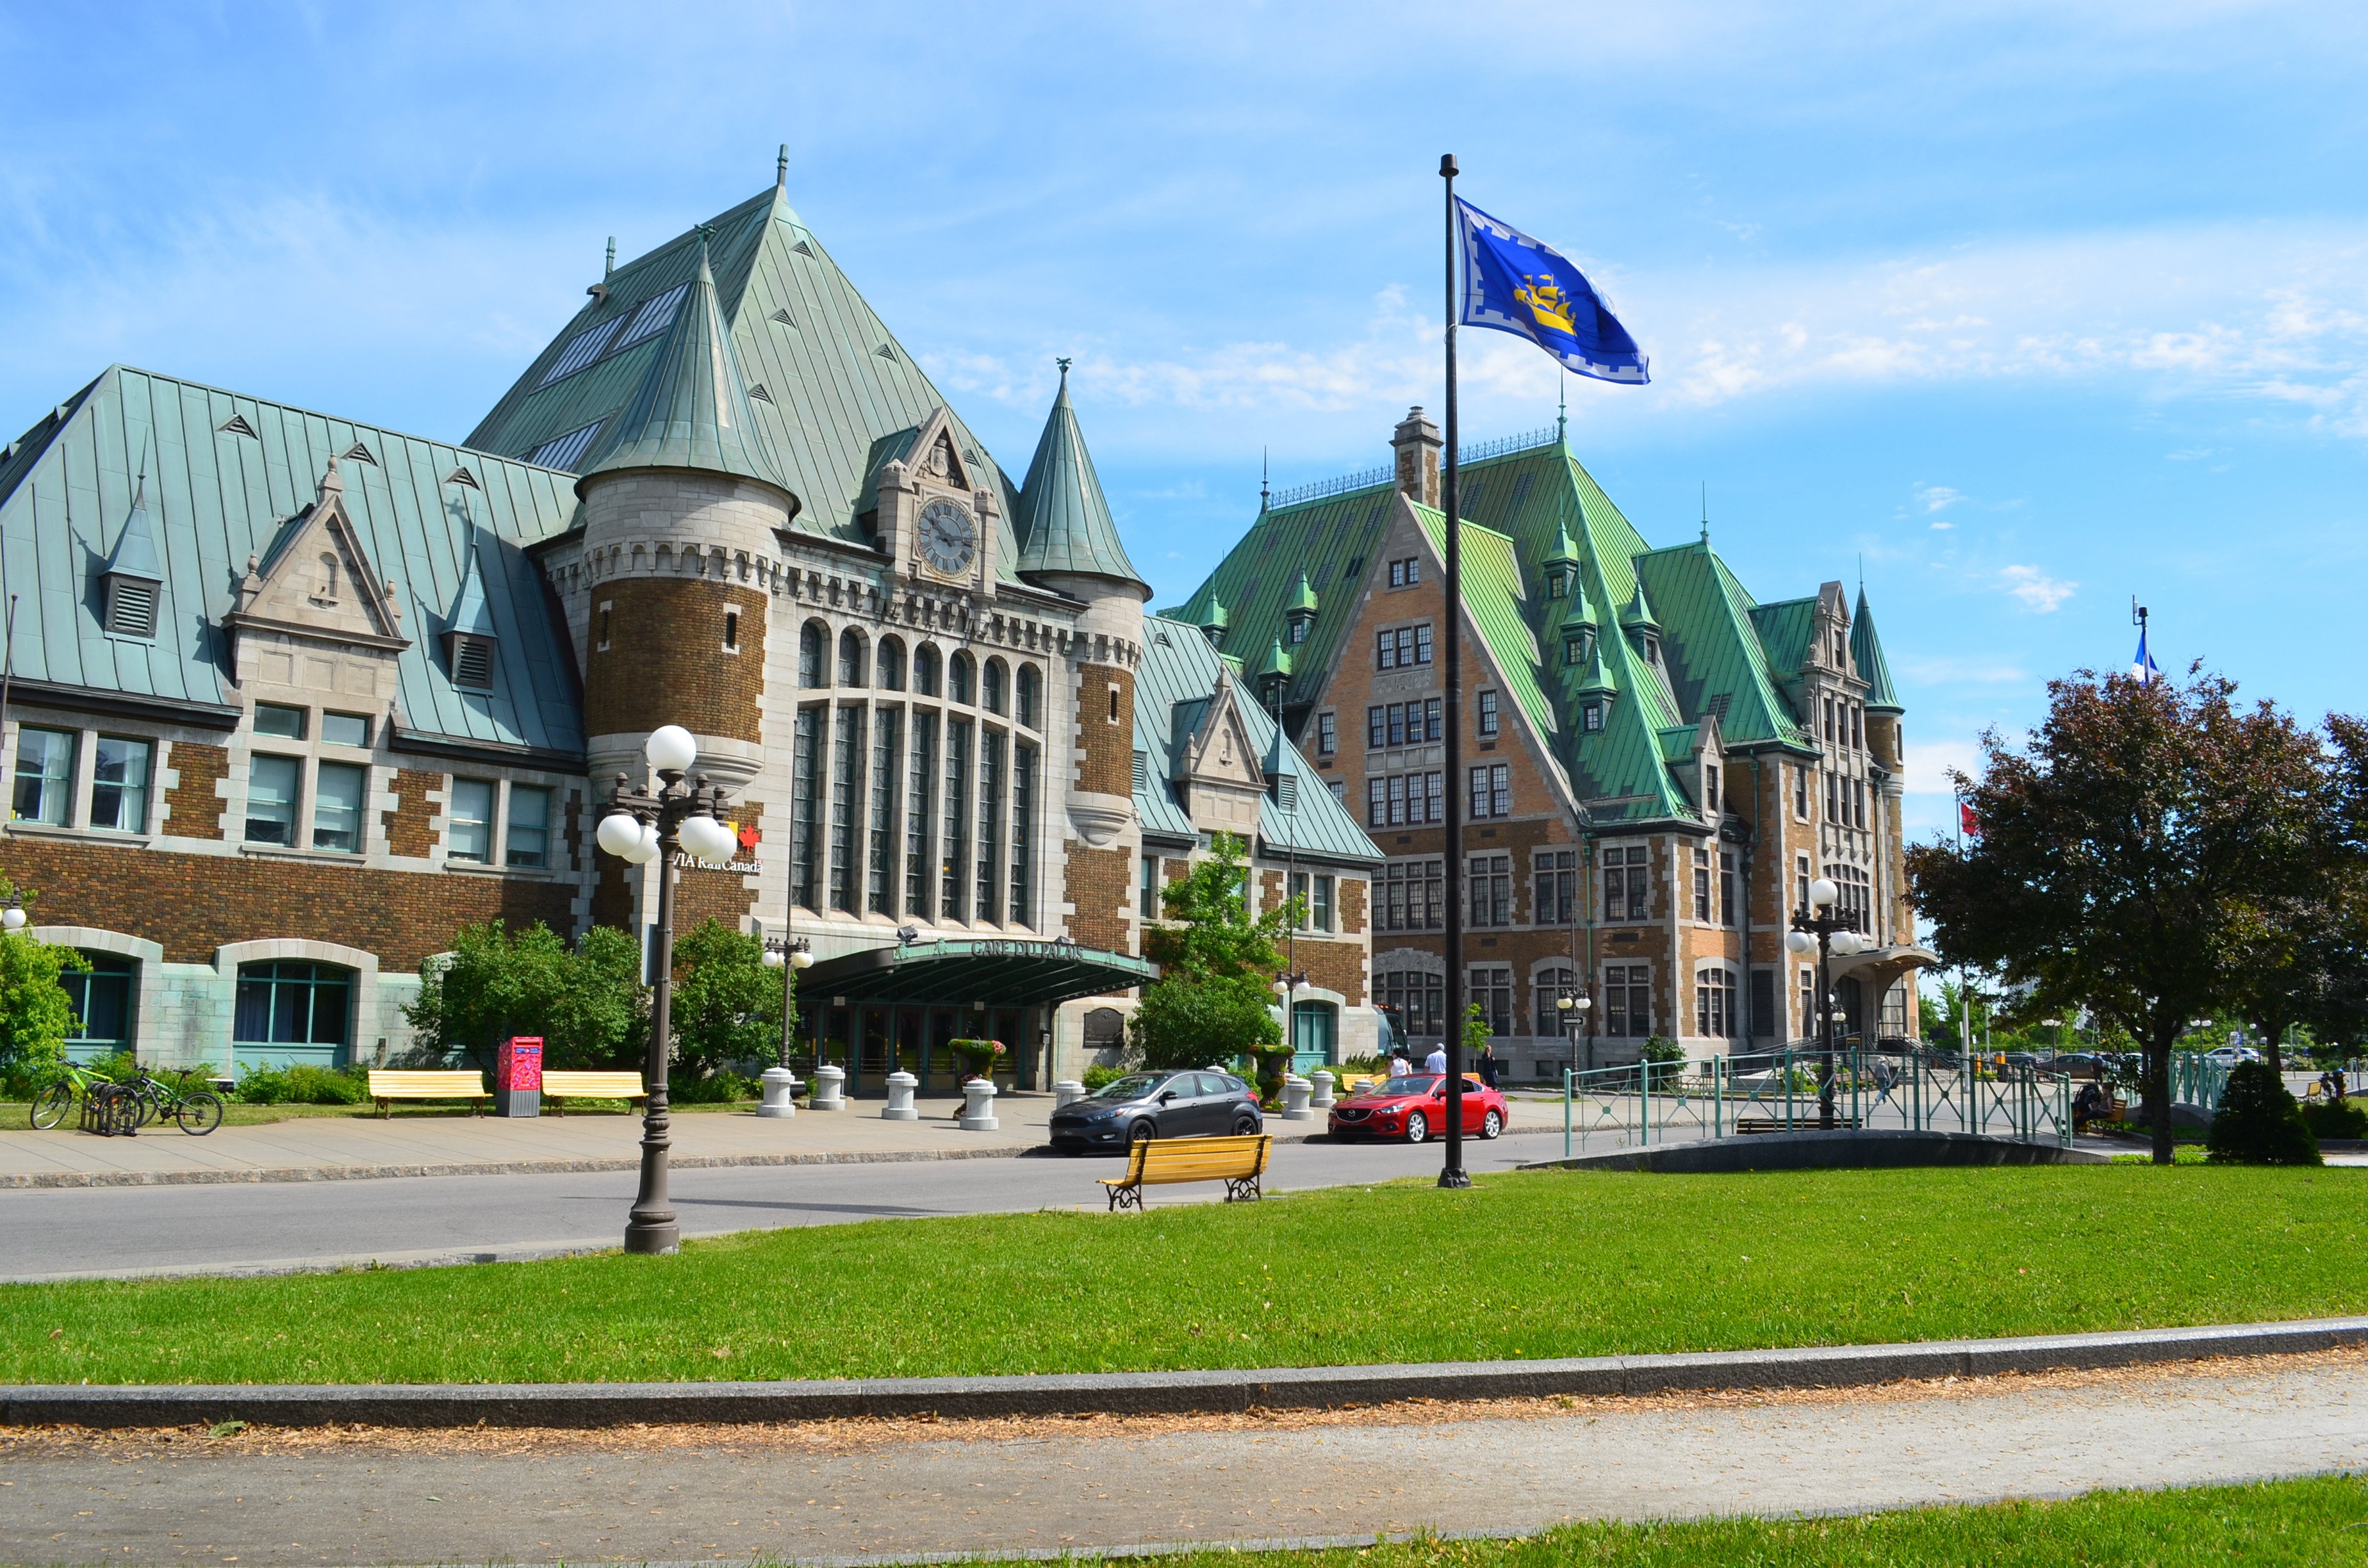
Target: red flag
x=1967 y=821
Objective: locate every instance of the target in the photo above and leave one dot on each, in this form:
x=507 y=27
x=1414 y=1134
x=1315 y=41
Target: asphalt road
x=265 y=1226
x=733 y=1495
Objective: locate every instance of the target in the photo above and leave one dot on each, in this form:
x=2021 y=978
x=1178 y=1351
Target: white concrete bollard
x=1295 y=1090
x=900 y=1105
x=829 y=1083
x=1068 y=1091
x=1322 y=1099
x=781 y=1092
x=978 y=1105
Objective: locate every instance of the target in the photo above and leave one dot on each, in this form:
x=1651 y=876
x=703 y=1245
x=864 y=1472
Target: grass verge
x=2286 y=1524
x=1532 y=1265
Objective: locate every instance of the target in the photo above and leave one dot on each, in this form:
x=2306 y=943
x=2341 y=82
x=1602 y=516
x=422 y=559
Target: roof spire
x=781 y=169
x=608 y=267
x=1064 y=376
x=1562 y=408
x=691 y=410
x=1266 y=498
x=1063 y=521
x=1705 y=520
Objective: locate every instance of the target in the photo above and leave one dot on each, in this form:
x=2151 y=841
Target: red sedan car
x=1415 y=1107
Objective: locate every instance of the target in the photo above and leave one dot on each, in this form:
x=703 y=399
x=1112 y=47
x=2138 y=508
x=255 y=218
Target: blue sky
x=2028 y=307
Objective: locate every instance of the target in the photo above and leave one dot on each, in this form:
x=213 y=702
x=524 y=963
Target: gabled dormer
x=938 y=516
x=1642 y=629
x=1599 y=688
x=468 y=637
x=134 y=574
x=1560 y=567
x=1273 y=674
x=1217 y=767
x=318 y=593
x=1578 y=629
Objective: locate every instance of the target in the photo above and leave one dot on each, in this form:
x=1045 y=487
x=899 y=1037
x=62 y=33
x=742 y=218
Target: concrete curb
x=1146 y=1393
x=24 y=1181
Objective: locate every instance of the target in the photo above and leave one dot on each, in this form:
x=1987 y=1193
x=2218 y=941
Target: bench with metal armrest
x=562 y=1085
x=1238 y=1162
x=387 y=1084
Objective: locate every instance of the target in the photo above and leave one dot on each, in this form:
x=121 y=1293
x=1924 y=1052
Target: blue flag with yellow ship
x=1516 y=284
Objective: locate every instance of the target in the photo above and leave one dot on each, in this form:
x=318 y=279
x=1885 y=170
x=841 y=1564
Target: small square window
x=273 y=719
x=344 y=729
x=529 y=840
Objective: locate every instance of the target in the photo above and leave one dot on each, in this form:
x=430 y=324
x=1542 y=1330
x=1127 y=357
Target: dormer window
x=472 y=660
x=1573 y=650
x=1299 y=625
x=1591 y=718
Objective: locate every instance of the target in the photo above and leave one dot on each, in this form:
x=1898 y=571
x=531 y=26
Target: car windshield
x=1419 y=1084
x=1134 y=1087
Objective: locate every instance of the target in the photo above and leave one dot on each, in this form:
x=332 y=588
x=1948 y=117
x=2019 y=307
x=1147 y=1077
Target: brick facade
x=1105 y=748
x=665 y=657
x=410 y=827
x=1102 y=890
x=193 y=806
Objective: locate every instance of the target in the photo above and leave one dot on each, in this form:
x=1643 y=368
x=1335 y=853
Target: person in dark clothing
x=2087 y=1106
x=1487 y=1066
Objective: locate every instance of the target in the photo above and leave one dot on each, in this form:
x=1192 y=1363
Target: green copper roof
x=1640 y=609
x=1597 y=680
x=1276 y=666
x=471 y=613
x=1064 y=520
x=136 y=548
x=1866 y=652
x=1565 y=551
x=1581 y=613
x=1302 y=596
x=691 y=410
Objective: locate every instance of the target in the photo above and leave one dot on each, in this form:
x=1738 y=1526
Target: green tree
x=35 y=1016
x=1214 y=998
x=588 y=1005
x=727 y=1004
x=2257 y=1122
x=2125 y=853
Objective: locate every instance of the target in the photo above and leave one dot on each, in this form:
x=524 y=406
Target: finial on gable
x=608 y=267
x=332 y=481
x=781 y=168
x=1705 y=517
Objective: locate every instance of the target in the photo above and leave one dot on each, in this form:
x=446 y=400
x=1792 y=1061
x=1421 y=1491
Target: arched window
x=851 y=658
x=925 y=670
x=889 y=664
x=292 y=1003
x=1031 y=695
x=991 y=693
x=101 y=998
x=957 y=677
x=813 y=645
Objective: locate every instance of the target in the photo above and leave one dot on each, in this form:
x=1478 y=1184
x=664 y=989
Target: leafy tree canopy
x=587 y=1003
x=727 y=1005
x=35 y=1016
x=1213 y=996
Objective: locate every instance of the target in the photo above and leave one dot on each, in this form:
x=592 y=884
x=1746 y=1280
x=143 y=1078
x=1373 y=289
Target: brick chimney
x=1416 y=443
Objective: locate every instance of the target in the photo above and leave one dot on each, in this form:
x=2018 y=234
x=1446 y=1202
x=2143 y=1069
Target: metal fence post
x=1566 y=1113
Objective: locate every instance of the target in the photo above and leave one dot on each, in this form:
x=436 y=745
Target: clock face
x=948 y=538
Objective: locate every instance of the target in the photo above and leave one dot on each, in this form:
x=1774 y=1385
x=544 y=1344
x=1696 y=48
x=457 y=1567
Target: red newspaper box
x=518 y=1076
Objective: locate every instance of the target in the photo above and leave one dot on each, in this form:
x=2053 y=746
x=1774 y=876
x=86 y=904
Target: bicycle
x=53 y=1104
x=196 y=1113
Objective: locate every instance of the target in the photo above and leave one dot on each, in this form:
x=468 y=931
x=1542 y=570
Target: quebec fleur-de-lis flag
x=1516 y=284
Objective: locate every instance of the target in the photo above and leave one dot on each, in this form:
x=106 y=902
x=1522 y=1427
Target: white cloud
x=1928 y=762
x=1936 y=498
x=2035 y=588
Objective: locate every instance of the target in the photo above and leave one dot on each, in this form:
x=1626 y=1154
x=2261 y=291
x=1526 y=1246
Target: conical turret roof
x=136 y=548
x=1302 y=594
x=1599 y=678
x=1276 y=666
x=1064 y=520
x=1566 y=548
x=1866 y=650
x=691 y=409
x=1640 y=610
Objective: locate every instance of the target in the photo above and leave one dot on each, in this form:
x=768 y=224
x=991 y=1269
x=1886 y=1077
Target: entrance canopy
x=990 y=970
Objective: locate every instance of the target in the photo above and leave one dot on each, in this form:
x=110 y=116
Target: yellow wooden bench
x=389 y=1085
x=564 y=1086
x=1238 y=1162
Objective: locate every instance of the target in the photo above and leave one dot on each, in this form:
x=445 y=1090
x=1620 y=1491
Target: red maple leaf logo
x=749 y=837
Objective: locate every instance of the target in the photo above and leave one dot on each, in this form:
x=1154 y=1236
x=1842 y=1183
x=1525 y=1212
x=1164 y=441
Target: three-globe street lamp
x=1829 y=930
x=645 y=825
x=1573 y=1007
x=794 y=953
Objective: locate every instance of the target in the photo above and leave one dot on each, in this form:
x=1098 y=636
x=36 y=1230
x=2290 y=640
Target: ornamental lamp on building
x=13 y=916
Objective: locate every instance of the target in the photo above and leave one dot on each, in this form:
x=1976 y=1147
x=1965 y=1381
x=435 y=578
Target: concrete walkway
x=885 y=1489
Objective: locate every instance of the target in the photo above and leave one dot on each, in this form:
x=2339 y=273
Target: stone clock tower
x=937 y=519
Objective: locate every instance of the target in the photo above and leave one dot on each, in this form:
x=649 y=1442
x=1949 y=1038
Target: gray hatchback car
x=1156 y=1105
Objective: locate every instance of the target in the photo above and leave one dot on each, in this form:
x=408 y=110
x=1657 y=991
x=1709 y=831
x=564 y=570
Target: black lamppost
x=645 y=825
x=1829 y=930
x=794 y=953
x=1576 y=1009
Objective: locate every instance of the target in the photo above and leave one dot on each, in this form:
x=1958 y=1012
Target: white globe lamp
x=801 y=958
x=1822 y=893
x=670 y=749
x=1799 y=942
x=647 y=850
x=12 y=917
x=620 y=834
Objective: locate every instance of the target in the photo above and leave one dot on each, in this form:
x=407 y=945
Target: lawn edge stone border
x=588 y=1406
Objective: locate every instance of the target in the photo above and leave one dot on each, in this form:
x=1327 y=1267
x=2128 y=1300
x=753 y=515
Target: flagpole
x=1453 y=1174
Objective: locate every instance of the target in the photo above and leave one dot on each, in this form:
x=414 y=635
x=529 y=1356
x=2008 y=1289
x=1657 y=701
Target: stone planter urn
x=781 y=1092
x=1295 y=1090
x=900 y=1106
x=1068 y=1091
x=1321 y=1099
x=978 y=1105
x=830 y=1082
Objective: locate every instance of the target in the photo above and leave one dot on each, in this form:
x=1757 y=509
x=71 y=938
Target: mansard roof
x=691 y=410
x=1177 y=681
x=1064 y=520
x=226 y=476
x=834 y=380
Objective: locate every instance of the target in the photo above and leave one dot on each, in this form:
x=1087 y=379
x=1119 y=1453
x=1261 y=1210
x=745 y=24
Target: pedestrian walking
x=1437 y=1061
x=1485 y=1066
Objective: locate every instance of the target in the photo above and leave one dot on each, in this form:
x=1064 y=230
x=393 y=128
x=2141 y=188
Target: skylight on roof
x=654 y=316
x=565 y=451
x=581 y=351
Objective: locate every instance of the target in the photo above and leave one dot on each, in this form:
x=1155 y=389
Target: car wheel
x=1244 y=1126
x=1491 y=1125
x=1417 y=1127
x=1141 y=1132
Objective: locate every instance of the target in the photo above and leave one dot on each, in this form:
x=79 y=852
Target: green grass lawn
x=2286 y=1524
x=1529 y=1265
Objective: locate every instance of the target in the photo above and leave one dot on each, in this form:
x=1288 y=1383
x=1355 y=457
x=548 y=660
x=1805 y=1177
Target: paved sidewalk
x=726 y=1493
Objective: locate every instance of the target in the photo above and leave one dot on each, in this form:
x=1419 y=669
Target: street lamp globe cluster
x=1821 y=928
x=642 y=826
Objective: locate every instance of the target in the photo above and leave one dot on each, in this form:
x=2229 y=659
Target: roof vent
x=782 y=316
x=886 y=353
x=760 y=393
x=1286 y=792
x=358 y=453
x=1142 y=771
x=461 y=476
x=1716 y=706
x=803 y=248
x=472 y=662
x=131 y=608
x=236 y=425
